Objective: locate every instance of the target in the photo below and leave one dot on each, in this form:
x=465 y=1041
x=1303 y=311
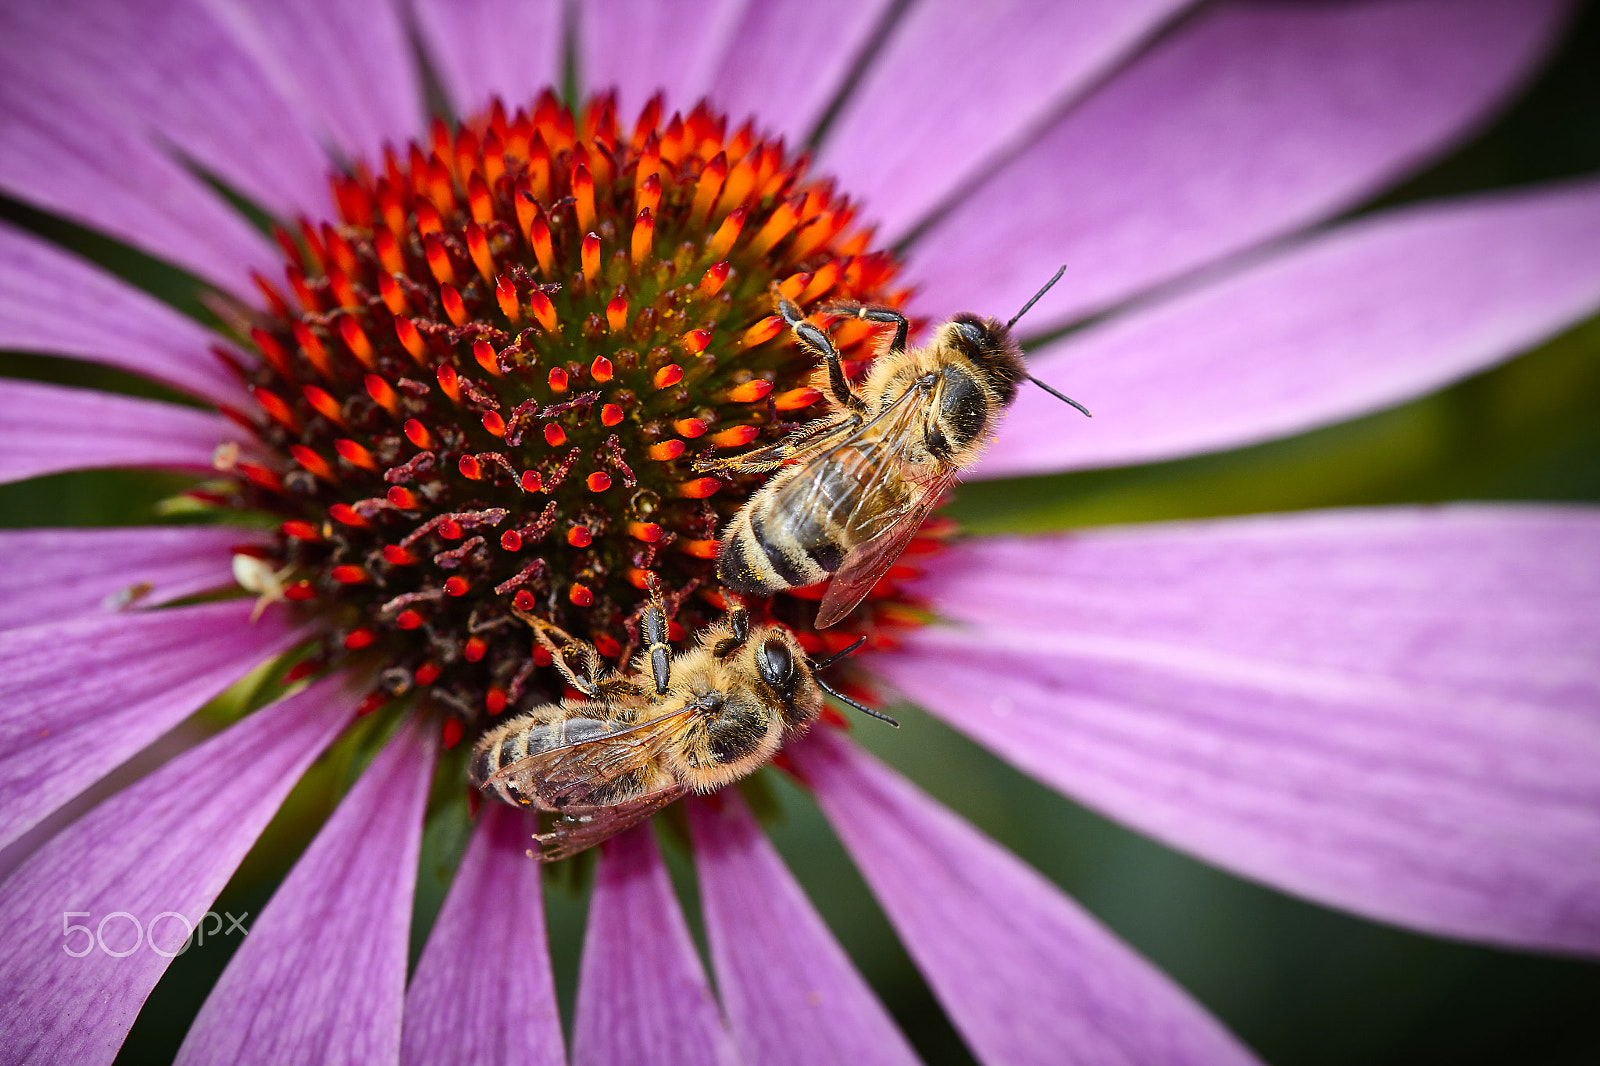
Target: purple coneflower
x=474 y=370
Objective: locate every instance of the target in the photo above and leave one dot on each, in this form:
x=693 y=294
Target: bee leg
x=813 y=338
x=739 y=622
x=773 y=456
x=588 y=658
x=655 y=634
x=902 y=327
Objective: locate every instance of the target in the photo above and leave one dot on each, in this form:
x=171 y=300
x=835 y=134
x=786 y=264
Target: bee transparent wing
x=797 y=445
x=877 y=509
x=870 y=560
x=567 y=776
x=847 y=481
x=580 y=828
x=889 y=425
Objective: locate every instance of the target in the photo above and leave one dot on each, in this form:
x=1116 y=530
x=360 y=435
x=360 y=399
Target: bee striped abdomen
x=501 y=748
x=801 y=527
x=545 y=730
x=515 y=741
x=742 y=561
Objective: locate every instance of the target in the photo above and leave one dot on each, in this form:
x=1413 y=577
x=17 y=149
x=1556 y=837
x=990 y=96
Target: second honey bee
x=638 y=741
x=852 y=489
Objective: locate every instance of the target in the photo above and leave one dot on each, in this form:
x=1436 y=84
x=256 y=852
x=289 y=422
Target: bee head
x=777 y=659
x=989 y=345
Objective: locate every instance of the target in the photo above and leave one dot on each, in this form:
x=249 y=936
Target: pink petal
x=170 y=67
x=1371 y=314
x=51 y=574
x=483 y=991
x=45 y=429
x=641 y=46
x=957 y=84
x=1025 y=974
x=789 y=59
x=54 y=302
x=98 y=170
x=483 y=48
x=344 y=64
x=88 y=693
x=1390 y=711
x=642 y=996
x=169 y=745
x=162 y=851
x=322 y=974
x=791 y=993
x=1249 y=121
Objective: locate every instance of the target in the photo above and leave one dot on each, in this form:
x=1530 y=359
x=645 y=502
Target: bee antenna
x=824 y=664
x=1047 y=286
x=1058 y=395
x=842 y=698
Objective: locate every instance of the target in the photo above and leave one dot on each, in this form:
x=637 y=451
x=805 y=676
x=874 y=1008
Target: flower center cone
x=484 y=386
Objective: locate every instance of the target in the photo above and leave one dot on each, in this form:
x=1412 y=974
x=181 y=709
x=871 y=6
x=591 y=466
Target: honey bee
x=859 y=483
x=640 y=740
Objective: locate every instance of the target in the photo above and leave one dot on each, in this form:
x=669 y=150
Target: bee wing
x=568 y=775
x=581 y=827
x=797 y=445
x=869 y=560
x=809 y=443
x=864 y=460
x=870 y=458
x=890 y=425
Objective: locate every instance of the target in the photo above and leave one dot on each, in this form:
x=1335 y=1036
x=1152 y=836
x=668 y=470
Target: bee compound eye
x=775 y=662
x=973 y=332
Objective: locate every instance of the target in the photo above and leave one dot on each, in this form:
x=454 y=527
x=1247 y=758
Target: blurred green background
x=1302 y=985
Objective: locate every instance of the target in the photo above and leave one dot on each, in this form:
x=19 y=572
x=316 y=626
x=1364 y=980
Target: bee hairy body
x=771 y=545
x=739 y=723
x=921 y=417
x=671 y=725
